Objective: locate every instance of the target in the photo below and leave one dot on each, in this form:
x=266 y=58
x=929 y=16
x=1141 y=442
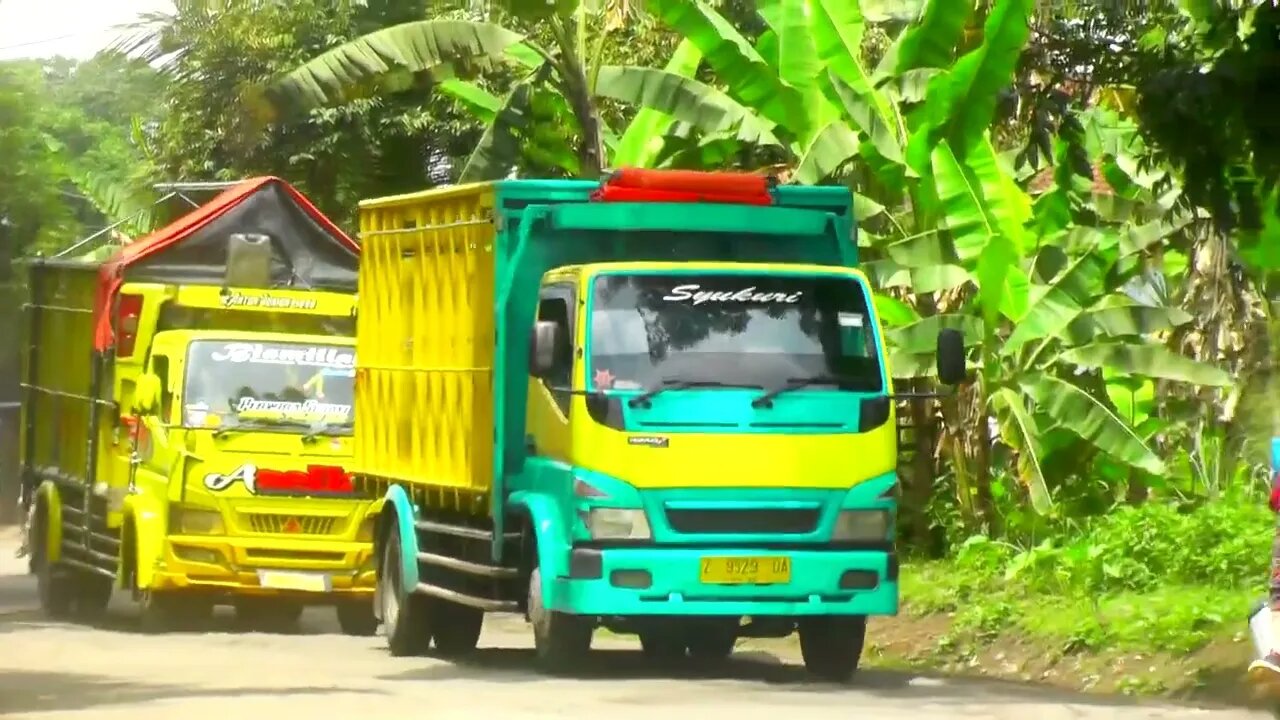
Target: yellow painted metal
x=425 y=341
x=709 y=458
x=303 y=302
x=59 y=393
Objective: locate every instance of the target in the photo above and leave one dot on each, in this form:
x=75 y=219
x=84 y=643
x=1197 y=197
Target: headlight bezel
x=195 y=520
x=606 y=523
x=863 y=525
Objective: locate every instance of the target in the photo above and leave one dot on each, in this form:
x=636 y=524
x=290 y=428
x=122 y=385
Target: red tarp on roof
x=308 y=250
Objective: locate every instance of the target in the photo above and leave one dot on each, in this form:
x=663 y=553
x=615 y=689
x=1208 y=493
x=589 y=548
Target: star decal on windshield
x=604 y=379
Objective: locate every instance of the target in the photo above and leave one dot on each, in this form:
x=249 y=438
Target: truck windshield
x=284 y=386
x=738 y=329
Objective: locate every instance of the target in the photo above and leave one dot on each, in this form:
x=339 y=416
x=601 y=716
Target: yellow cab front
x=244 y=464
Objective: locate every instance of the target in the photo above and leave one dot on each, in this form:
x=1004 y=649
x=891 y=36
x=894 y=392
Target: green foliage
x=1201 y=84
x=32 y=177
x=1155 y=577
x=218 y=123
x=1139 y=549
x=554 y=68
x=72 y=159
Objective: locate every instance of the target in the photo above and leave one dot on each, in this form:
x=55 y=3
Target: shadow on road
x=19 y=611
x=518 y=665
x=124 y=620
x=22 y=691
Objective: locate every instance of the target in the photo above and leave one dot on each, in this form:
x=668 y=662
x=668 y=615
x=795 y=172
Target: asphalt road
x=53 y=670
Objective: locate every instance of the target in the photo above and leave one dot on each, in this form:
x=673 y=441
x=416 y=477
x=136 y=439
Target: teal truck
x=658 y=404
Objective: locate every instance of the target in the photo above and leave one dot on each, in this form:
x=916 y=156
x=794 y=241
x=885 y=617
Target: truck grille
x=285 y=524
x=746 y=522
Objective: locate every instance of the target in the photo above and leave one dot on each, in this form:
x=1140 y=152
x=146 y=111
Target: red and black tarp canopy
x=307 y=250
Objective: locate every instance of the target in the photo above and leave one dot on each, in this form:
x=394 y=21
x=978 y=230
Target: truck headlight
x=194 y=521
x=616 y=524
x=862 y=525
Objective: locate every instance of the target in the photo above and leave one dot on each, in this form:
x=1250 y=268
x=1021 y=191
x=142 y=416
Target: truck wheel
x=93 y=594
x=406 y=617
x=457 y=627
x=357 y=619
x=268 y=614
x=161 y=612
x=55 y=586
x=832 y=645
x=662 y=645
x=561 y=641
x=711 y=643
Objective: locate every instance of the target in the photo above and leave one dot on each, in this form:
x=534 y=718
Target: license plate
x=302 y=581
x=772 y=570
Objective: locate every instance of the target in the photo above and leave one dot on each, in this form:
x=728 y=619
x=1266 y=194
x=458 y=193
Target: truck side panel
x=57 y=373
x=424 y=341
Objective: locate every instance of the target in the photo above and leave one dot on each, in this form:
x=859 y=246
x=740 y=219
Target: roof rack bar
x=67 y=251
x=178 y=187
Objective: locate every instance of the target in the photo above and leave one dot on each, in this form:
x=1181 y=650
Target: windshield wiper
x=766 y=400
x=642 y=400
x=245 y=425
x=327 y=429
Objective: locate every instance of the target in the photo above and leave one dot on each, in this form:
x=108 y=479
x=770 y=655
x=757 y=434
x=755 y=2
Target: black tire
x=161 y=612
x=713 y=643
x=406 y=617
x=457 y=627
x=561 y=641
x=268 y=614
x=357 y=619
x=55 y=585
x=57 y=590
x=832 y=645
x=662 y=645
x=93 y=594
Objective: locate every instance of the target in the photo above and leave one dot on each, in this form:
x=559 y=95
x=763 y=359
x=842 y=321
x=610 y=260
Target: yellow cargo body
x=425 y=341
x=58 y=374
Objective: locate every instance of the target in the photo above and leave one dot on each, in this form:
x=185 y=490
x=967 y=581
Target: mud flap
x=24 y=546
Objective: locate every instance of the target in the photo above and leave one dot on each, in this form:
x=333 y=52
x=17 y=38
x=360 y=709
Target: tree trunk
x=591 y=148
x=985 y=502
x=918 y=473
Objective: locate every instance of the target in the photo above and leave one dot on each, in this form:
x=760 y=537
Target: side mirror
x=146 y=394
x=544 y=346
x=951 y=369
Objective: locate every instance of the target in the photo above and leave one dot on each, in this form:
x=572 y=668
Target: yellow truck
x=187 y=417
x=658 y=403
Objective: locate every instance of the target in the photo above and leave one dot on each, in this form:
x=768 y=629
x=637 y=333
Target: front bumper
x=226 y=565
x=592 y=587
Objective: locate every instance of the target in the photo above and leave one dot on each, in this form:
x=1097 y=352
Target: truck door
x=150 y=435
x=549 y=398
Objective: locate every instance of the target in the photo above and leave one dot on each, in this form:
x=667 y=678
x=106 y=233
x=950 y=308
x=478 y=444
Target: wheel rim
x=390 y=594
x=537 y=616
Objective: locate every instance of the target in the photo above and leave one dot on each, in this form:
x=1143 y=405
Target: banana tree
x=1071 y=326
x=896 y=132
x=567 y=73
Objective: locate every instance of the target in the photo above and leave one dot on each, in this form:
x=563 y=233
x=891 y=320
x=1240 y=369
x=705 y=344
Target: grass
x=1172 y=618
x=1148 y=600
